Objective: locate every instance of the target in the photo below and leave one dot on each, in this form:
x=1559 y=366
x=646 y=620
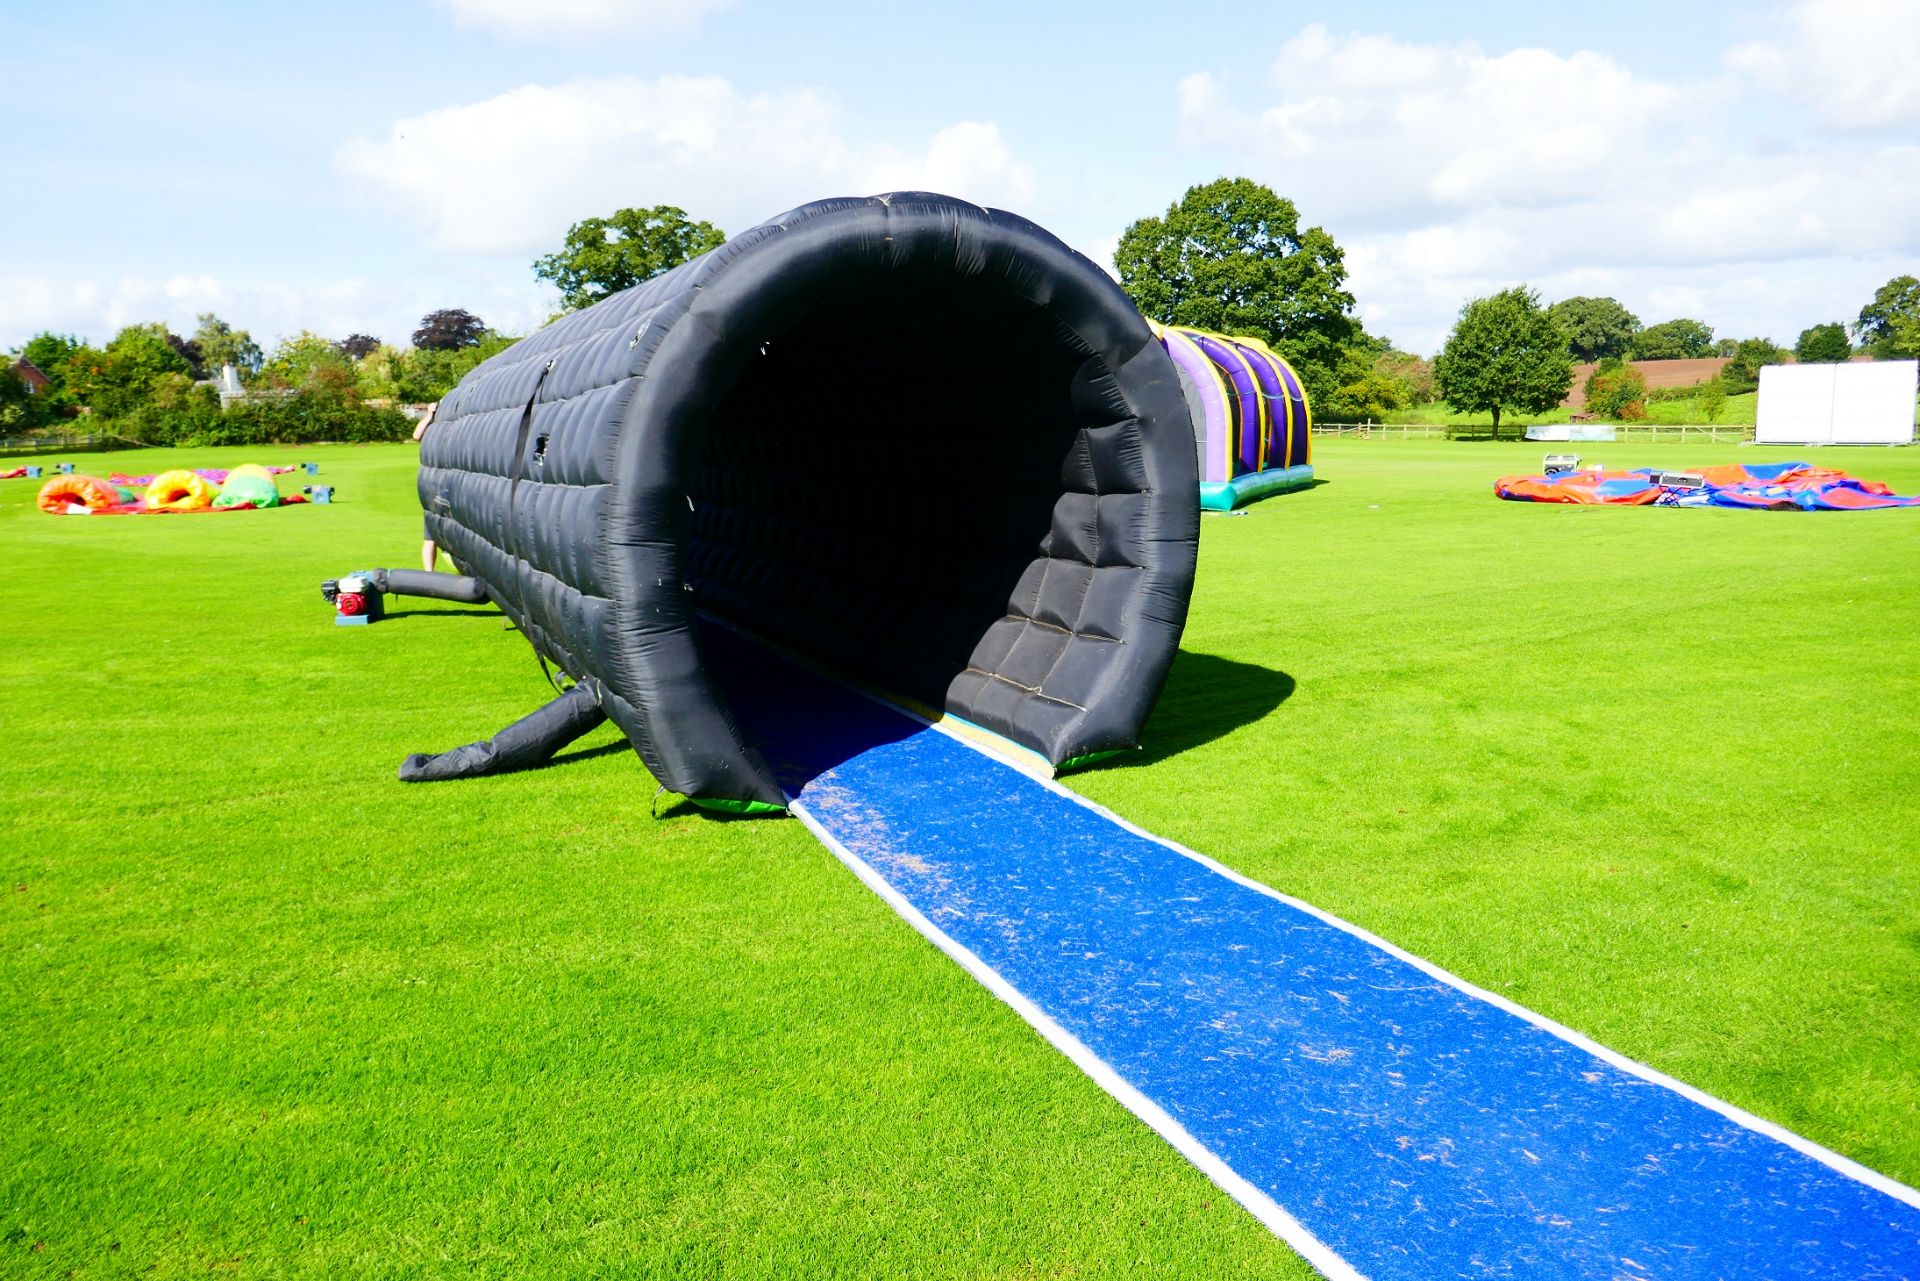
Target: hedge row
x=289 y=420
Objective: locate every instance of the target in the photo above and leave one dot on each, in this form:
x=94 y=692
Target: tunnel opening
x=922 y=444
x=883 y=478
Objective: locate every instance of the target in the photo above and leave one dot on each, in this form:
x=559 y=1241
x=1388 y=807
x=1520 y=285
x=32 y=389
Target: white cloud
x=1447 y=172
x=510 y=173
x=499 y=180
x=970 y=159
x=1374 y=126
x=1854 y=61
x=570 y=19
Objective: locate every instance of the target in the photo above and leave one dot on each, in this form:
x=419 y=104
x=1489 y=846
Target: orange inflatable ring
x=180 y=490
x=77 y=495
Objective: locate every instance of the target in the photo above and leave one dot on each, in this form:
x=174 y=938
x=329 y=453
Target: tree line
x=1230 y=256
x=1509 y=353
x=154 y=386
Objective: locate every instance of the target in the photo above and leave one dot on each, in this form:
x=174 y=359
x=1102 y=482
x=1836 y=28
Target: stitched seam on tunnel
x=1030 y=689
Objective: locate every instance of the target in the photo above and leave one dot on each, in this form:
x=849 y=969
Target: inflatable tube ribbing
x=1248 y=413
x=921 y=442
x=1274 y=399
x=1249 y=408
x=180 y=490
x=1297 y=448
x=1206 y=392
x=66 y=495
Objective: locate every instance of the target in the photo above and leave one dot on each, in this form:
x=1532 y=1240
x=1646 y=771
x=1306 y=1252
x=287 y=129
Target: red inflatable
x=1765 y=486
x=77 y=495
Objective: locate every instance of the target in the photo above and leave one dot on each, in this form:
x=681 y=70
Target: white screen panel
x=1796 y=405
x=1873 y=403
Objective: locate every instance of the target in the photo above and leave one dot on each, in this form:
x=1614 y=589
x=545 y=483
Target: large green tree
x=428 y=373
x=222 y=344
x=1505 y=353
x=1596 y=328
x=1681 y=339
x=49 y=351
x=1742 y=371
x=1711 y=399
x=114 y=380
x=1373 y=379
x=1617 y=390
x=297 y=359
x=1904 y=337
x=16 y=400
x=602 y=256
x=1231 y=256
x=449 y=329
x=1823 y=345
x=1889 y=326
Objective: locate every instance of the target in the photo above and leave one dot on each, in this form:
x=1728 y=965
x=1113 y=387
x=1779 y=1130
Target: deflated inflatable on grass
x=246 y=490
x=218 y=475
x=76 y=494
x=254 y=470
x=180 y=490
x=918 y=442
x=171 y=492
x=1769 y=487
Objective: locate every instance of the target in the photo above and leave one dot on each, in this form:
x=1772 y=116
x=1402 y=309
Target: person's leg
x=429 y=556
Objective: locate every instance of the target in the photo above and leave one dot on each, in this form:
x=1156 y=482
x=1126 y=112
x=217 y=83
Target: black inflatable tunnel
x=922 y=443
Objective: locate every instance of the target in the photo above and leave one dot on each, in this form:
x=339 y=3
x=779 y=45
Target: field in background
x=1735 y=412
x=271 y=1013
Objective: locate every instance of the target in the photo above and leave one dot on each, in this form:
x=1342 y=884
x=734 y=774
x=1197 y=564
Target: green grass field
x=271 y=1014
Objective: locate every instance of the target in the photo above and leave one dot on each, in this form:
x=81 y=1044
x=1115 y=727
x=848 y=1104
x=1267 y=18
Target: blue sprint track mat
x=1386 y=1119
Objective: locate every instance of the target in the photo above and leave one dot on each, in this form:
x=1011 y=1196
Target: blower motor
x=357 y=597
x=355 y=600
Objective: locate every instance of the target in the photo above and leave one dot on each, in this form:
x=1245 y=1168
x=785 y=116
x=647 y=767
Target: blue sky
x=353 y=166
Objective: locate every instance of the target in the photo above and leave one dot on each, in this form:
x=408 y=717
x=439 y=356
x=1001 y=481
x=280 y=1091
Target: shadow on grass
x=1509 y=435
x=805 y=725
x=675 y=806
x=589 y=753
x=443 y=613
x=1206 y=697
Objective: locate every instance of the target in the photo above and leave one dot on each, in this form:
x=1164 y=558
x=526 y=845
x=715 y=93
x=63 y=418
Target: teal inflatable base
x=1225 y=495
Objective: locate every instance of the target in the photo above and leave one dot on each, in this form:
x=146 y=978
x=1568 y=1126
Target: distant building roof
x=31 y=374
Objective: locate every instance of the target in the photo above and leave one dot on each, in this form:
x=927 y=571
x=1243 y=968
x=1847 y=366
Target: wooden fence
x=65 y=444
x=1397 y=431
